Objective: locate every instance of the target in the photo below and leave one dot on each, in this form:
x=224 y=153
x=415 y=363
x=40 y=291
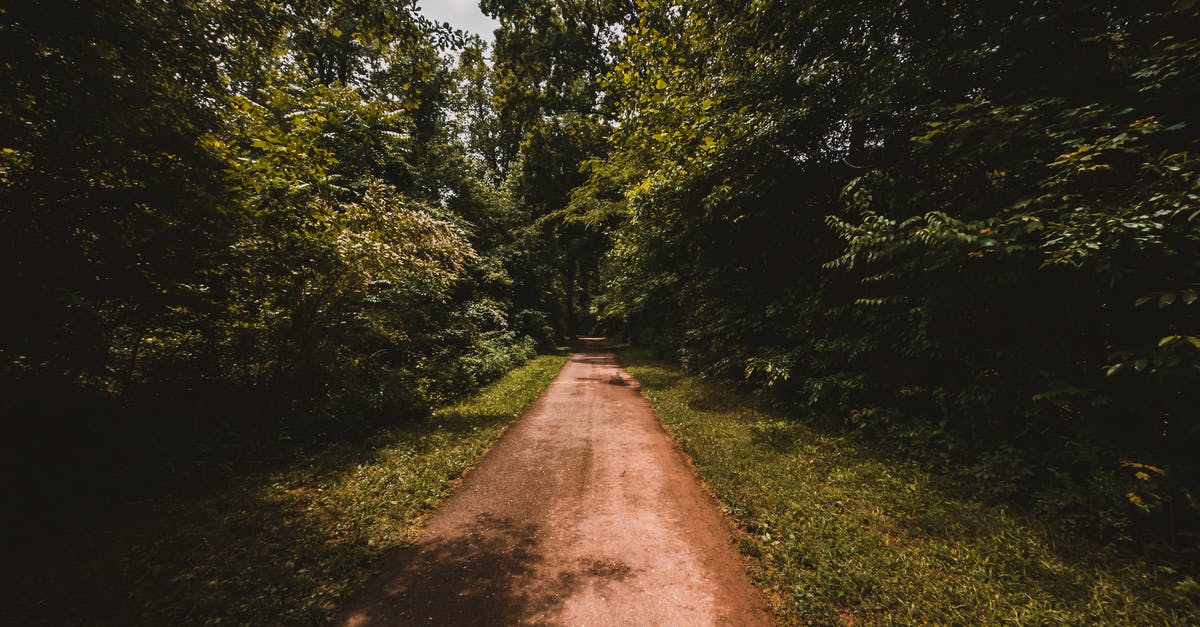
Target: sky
x=462 y=14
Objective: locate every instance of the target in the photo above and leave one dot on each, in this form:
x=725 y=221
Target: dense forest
x=238 y=222
x=970 y=230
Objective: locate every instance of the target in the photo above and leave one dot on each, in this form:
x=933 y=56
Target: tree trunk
x=572 y=332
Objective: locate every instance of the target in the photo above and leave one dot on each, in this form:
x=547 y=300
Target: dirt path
x=584 y=513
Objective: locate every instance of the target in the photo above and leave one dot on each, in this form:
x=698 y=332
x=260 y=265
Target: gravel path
x=584 y=513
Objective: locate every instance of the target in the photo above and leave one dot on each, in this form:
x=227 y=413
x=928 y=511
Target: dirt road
x=584 y=513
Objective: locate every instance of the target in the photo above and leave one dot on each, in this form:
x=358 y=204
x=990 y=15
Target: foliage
x=546 y=100
x=239 y=221
x=968 y=229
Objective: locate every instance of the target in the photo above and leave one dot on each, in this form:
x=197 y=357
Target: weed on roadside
x=282 y=547
x=841 y=534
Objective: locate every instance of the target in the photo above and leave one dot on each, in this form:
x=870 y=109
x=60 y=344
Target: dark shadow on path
x=482 y=574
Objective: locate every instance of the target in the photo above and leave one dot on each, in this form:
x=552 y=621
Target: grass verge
x=280 y=547
x=843 y=534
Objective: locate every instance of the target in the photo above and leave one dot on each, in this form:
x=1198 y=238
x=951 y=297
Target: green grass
x=281 y=547
x=843 y=534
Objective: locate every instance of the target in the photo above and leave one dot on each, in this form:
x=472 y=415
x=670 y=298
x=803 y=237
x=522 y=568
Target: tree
x=934 y=222
x=548 y=55
x=235 y=222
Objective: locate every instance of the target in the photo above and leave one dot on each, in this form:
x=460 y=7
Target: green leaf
x=1166 y=299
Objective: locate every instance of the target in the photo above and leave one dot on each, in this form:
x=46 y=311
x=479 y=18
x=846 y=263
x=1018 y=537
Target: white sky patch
x=463 y=14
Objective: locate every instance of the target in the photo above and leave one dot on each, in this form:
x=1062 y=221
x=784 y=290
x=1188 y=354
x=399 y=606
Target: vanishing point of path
x=584 y=513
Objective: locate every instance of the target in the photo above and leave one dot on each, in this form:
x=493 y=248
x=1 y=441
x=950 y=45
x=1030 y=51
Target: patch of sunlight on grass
x=840 y=534
x=285 y=547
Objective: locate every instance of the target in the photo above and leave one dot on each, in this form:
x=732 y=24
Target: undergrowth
x=284 y=546
x=843 y=533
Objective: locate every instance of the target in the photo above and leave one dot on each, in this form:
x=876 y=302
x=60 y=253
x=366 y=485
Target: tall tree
x=548 y=55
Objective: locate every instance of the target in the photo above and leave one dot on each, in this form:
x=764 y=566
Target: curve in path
x=584 y=513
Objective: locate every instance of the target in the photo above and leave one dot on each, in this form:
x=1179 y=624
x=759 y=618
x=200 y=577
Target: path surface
x=584 y=513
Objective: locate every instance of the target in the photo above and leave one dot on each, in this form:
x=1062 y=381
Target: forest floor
x=285 y=544
x=844 y=531
x=585 y=512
